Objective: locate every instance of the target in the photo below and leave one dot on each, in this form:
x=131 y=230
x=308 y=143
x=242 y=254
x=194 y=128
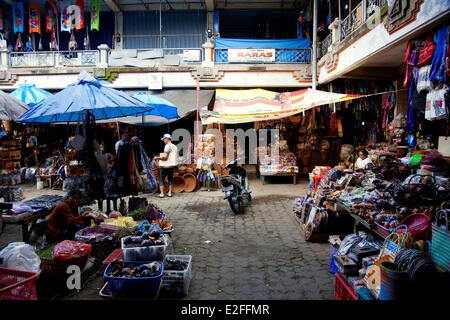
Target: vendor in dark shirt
x=65 y=219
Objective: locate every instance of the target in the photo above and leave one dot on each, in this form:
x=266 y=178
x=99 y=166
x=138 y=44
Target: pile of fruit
x=145 y=240
x=175 y=264
x=119 y=270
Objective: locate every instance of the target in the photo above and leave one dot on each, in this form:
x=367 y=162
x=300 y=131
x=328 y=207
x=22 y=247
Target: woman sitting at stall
x=363 y=162
x=65 y=220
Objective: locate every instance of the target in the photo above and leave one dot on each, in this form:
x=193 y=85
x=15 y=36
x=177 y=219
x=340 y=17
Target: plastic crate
x=342 y=290
x=177 y=281
x=333 y=250
x=17 y=285
x=137 y=254
x=115 y=255
x=134 y=287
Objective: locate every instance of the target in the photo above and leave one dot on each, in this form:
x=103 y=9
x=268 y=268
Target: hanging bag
x=3 y=43
x=423 y=81
x=78 y=141
x=427 y=52
x=436 y=106
x=72 y=43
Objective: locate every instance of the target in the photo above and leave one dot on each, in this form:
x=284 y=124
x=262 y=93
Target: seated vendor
x=65 y=220
x=363 y=160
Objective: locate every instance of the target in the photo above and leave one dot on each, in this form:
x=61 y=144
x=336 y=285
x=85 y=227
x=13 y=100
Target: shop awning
x=241 y=106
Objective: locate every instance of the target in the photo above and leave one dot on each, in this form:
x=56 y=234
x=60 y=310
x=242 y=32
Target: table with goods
x=281 y=165
x=134 y=253
x=387 y=227
x=27 y=213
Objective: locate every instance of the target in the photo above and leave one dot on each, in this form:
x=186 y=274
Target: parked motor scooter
x=235 y=187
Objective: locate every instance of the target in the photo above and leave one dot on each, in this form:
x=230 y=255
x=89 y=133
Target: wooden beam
x=113 y=5
x=210 y=5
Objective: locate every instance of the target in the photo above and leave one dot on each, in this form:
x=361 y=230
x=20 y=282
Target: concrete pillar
x=335 y=28
x=4 y=58
x=208 y=59
x=104 y=54
x=118 y=31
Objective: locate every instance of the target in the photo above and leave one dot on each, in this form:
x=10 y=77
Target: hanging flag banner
x=34 y=17
x=79 y=24
x=65 y=17
x=17 y=11
x=50 y=16
x=95 y=15
x=242 y=106
x=1 y=19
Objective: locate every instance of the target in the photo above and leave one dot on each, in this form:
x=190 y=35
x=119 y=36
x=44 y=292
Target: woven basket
x=440 y=241
x=394 y=284
x=178 y=184
x=190 y=182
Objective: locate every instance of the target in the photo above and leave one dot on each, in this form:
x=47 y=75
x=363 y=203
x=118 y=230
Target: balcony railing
x=281 y=56
x=360 y=15
x=326 y=43
x=37 y=59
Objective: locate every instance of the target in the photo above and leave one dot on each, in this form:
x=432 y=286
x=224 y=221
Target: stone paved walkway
x=258 y=255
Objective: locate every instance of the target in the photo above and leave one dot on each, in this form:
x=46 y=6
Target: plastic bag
x=143 y=227
x=20 y=256
x=69 y=249
x=155 y=231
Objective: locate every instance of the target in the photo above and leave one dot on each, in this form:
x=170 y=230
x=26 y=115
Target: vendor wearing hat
x=65 y=219
x=167 y=162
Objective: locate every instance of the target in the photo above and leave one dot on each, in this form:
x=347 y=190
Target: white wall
x=145 y=80
x=379 y=39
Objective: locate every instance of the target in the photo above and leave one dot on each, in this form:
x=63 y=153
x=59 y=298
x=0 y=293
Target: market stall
x=381 y=215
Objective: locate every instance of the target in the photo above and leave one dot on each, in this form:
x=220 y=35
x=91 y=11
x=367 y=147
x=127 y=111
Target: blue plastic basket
x=147 y=287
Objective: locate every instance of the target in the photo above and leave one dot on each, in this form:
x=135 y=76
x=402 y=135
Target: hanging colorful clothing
x=34 y=17
x=65 y=17
x=438 y=64
x=95 y=15
x=1 y=19
x=80 y=22
x=18 y=13
x=51 y=14
x=388 y=102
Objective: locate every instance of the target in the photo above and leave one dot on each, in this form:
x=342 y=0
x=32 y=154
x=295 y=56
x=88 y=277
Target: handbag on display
x=72 y=43
x=423 y=81
x=426 y=53
x=436 y=105
x=3 y=43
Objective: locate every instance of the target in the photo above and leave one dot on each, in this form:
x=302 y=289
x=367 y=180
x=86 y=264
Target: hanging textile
x=50 y=16
x=34 y=17
x=65 y=17
x=1 y=19
x=18 y=46
x=79 y=23
x=95 y=15
x=438 y=65
x=17 y=9
x=151 y=181
x=53 y=43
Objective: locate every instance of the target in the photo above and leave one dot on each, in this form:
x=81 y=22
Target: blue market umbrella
x=30 y=94
x=87 y=95
x=162 y=107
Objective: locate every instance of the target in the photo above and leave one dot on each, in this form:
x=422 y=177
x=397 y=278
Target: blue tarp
x=221 y=43
x=161 y=107
x=88 y=94
x=30 y=94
